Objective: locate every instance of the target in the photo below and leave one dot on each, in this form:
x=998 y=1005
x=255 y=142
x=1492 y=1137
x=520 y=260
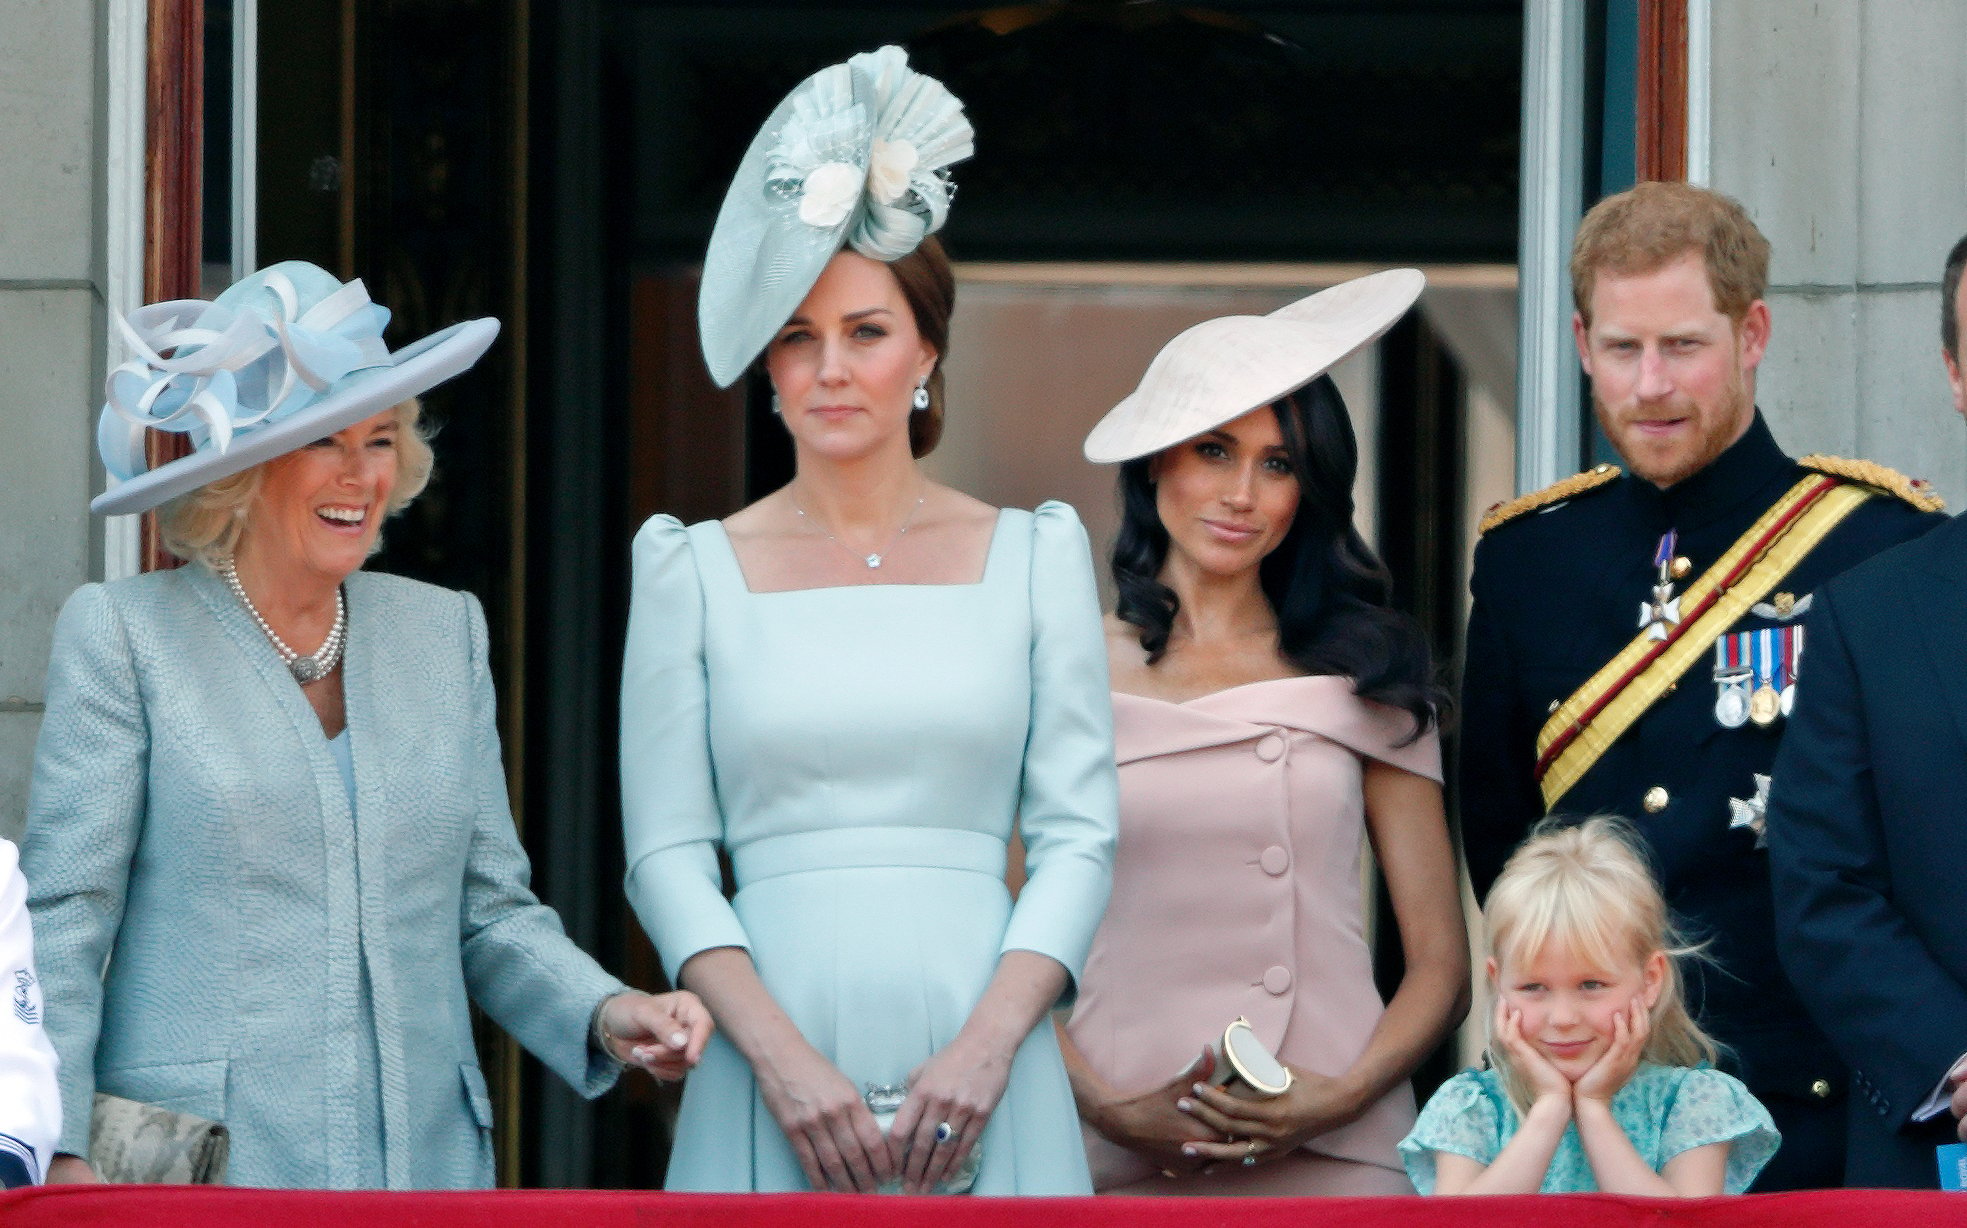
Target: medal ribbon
x=1593 y=717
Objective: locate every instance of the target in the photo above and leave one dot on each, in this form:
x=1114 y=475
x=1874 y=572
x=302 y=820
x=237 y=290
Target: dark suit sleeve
x=1890 y=1009
x=1498 y=796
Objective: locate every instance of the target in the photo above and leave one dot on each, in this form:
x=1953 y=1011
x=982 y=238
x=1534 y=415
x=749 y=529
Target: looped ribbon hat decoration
x=1221 y=369
x=283 y=357
x=856 y=156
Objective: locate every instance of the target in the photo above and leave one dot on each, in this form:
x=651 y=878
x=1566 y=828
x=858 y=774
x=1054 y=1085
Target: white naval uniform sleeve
x=30 y=1102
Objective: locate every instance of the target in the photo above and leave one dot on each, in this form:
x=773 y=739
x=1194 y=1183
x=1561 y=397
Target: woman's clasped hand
x=663 y=1035
x=1256 y=1128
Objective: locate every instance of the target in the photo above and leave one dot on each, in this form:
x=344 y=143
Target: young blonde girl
x=1598 y=1079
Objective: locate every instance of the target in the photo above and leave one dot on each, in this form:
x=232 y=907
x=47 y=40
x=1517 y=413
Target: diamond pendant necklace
x=874 y=559
x=304 y=669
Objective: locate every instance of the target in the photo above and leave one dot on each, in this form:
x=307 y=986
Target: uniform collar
x=1735 y=478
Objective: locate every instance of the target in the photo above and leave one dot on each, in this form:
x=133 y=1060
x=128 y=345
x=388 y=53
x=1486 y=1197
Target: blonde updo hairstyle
x=203 y=525
x=1585 y=887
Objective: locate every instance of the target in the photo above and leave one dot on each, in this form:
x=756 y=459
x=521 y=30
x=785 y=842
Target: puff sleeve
x=1461 y=1118
x=85 y=812
x=1712 y=1107
x=671 y=823
x=1069 y=804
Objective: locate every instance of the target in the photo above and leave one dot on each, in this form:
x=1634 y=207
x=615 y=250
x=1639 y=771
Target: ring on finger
x=1249 y=1153
x=944 y=1132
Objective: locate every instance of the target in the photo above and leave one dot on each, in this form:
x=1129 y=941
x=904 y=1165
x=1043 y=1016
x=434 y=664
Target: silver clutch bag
x=884 y=1101
x=133 y=1143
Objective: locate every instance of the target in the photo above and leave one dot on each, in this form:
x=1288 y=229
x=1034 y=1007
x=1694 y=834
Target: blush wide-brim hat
x=285 y=356
x=1221 y=369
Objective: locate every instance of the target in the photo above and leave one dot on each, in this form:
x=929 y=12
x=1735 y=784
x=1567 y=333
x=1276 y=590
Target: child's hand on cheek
x=1546 y=1081
x=1616 y=1065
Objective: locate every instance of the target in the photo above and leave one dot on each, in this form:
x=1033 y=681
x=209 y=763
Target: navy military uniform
x=1865 y=833
x=1557 y=594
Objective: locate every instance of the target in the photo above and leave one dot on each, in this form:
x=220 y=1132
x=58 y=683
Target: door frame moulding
x=1549 y=387
x=126 y=94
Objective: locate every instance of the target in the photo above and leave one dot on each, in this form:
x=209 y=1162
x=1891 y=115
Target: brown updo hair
x=929 y=287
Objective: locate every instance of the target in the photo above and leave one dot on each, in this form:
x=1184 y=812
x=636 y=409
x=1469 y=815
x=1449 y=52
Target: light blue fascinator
x=282 y=358
x=856 y=156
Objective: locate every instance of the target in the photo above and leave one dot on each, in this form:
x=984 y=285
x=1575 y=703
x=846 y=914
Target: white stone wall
x=1842 y=127
x=51 y=322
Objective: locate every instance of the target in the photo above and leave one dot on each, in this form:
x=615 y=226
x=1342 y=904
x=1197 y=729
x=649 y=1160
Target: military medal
x=1792 y=657
x=1663 y=610
x=1731 y=679
x=1753 y=814
x=1766 y=704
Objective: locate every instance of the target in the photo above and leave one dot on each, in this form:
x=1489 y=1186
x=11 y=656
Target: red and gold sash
x=1587 y=723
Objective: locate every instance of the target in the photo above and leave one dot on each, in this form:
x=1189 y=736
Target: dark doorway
x=1146 y=132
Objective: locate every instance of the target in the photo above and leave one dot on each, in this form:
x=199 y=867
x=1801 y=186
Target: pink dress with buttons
x=1237 y=890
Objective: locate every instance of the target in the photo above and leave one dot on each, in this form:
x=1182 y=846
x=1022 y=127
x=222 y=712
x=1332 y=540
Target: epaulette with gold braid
x=1556 y=492
x=1916 y=491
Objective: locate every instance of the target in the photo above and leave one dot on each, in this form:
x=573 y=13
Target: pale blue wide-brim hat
x=1221 y=369
x=856 y=156
x=283 y=357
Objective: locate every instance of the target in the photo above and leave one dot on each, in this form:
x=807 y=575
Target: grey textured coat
x=275 y=960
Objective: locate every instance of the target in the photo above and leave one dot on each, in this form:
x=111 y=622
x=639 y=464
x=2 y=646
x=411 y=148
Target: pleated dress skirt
x=878 y=942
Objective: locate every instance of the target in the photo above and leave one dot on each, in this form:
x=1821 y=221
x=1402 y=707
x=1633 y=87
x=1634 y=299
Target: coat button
x=1274 y=860
x=1270 y=748
x=1554 y=705
x=1679 y=568
x=1655 y=800
x=1821 y=1089
x=1278 y=980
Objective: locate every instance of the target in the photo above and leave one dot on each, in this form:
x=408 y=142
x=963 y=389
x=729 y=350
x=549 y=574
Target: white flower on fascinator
x=890 y=170
x=830 y=193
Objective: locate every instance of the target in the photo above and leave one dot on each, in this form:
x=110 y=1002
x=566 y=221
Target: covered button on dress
x=1238 y=890
x=862 y=753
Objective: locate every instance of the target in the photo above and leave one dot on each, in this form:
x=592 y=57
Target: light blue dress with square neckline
x=862 y=753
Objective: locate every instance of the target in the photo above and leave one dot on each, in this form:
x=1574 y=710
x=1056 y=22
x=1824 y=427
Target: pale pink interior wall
x=1032 y=366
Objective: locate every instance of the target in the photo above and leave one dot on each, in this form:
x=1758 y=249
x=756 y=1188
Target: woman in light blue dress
x=855 y=688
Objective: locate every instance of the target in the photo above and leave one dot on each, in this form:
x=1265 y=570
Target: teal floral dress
x=1665 y=1110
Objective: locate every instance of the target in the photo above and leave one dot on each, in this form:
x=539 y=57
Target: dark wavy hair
x=1329 y=590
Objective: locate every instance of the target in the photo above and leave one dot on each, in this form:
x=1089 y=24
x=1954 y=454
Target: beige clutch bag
x=134 y=1143
x=1242 y=1058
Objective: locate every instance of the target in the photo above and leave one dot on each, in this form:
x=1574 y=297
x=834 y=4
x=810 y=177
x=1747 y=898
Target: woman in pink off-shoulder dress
x=1272 y=716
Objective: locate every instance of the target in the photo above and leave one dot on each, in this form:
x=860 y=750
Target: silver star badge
x=1753 y=814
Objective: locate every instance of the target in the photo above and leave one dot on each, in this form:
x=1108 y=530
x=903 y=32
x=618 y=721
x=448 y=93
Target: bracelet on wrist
x=601 y=1036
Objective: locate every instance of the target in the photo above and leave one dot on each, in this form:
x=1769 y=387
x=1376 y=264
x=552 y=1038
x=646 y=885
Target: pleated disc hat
x=283 y=357
x=856 y=156
x=1221 y=369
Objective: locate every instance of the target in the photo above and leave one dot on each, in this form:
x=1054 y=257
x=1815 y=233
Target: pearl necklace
x=874 y=559
x=304 y=669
